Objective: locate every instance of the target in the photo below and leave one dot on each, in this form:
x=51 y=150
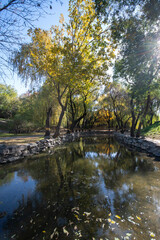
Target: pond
x=91 y=189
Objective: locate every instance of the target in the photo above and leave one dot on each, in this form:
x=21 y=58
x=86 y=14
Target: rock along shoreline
x=12 y=153
x=141 y=144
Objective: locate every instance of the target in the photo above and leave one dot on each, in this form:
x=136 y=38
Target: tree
x=77 y=109
x=135 y=25
x=122 y=9
x=69 y=56
x=118 y=98
x=139 y=67
x=8 y=101
x=15 y=17
x=79 y=105
x=46 y=102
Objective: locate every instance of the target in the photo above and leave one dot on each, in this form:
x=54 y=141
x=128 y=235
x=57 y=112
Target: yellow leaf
x=76 y=216
x=113 y=222
x=65 y=231
x=138 y=218
x=152 y=234
x=109 y=220
x=43 y=231
x=118 y=216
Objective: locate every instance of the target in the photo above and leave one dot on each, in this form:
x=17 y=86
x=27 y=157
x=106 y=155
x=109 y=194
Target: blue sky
x=45 y=23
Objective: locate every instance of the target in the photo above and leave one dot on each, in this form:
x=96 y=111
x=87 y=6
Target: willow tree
x=16 y=16
x=73 y=55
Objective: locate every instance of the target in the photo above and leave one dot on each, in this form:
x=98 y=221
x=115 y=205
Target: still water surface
x=93 y=189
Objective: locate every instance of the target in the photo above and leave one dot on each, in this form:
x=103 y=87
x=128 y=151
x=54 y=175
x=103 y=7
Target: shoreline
x=147 y=145
x=12 y=153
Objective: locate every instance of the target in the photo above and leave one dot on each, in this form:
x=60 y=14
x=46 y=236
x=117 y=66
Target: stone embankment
x=11 y=153
x=146 y=145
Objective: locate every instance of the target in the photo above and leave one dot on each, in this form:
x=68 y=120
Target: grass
x=13 y=139
x=152 y=131
x=3 y=135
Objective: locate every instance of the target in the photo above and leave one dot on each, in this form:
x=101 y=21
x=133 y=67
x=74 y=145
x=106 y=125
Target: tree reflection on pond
x=91 y=189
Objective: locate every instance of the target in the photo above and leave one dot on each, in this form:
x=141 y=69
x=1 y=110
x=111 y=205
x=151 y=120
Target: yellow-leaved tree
x=70 y=56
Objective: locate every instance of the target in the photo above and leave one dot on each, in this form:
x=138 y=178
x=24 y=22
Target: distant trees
x=8 y=101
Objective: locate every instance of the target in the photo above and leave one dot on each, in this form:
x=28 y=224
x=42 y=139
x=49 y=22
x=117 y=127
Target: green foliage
x=150 y=9
x=153 y=130
x=8 y=101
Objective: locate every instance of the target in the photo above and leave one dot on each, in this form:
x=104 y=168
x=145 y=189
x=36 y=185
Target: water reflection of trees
x=69 y=185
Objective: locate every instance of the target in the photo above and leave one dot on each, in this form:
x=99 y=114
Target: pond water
x=92 y=189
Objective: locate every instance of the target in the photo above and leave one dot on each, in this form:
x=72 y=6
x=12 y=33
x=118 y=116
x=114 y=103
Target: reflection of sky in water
x=121 y=194
x=12 y=193
x=156 y=199
x=111 y=155
x=94 y=155
x=91 y=155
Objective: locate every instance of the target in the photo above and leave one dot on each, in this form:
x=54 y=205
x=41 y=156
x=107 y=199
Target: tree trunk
x=49 y=113
x=139 y=130
x=75 y=122
x=63 y=107
x=144 y=116
x=117 y=119
x=57 y=132
x=132 y=133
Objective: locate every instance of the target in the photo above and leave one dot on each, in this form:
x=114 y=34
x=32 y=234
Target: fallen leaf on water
x=75 y=227
x=65 y=231
x=126 y=238
x=76 y=211
x=152 y=234
x=13 y=236
x=87 y=213
x=113 y=222
x=54 y=233
x=118 y=216
x=128 y=234
x=76 y=216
